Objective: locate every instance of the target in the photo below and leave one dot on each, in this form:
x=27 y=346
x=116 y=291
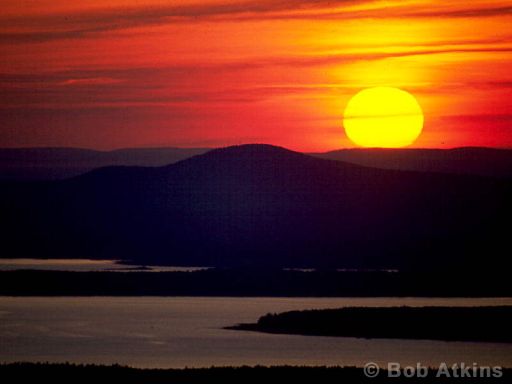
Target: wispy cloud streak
x=84 y=23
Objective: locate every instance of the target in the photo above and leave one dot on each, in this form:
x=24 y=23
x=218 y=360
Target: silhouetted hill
x=471 y=161
x=261 y=205
x=61 y=163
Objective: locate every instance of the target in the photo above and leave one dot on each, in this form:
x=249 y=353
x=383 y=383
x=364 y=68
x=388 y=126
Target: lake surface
x=187 y=331
x=85 y=265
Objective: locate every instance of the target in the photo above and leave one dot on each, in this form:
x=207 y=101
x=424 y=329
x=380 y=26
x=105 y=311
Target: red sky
x=111 y=74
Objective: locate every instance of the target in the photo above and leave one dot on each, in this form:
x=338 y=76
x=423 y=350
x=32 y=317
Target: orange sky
x=109 y=74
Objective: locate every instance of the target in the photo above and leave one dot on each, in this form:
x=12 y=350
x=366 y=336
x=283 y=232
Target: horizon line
x=118 y=149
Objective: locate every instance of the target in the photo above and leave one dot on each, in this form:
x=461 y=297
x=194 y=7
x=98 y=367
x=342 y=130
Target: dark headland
x=488 y=324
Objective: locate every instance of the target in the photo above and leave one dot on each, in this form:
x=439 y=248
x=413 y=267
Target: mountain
x=262 y=205
x=61 y=163
x=469 y=161
x=29 y=164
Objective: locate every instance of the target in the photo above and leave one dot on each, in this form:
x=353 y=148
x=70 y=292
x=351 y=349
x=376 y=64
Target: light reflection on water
x=187 y=331
x=85 y=265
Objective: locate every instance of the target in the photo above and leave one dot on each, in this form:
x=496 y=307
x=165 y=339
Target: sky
x=109 y=74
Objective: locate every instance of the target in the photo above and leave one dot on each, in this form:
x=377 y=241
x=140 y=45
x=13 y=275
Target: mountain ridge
x=61 y=163
x=481 y=161
x=261 y=205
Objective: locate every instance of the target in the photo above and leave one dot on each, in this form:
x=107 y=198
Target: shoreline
x=85 y=373
x=243 y=282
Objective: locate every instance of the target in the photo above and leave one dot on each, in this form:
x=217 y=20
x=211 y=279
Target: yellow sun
x=383 y=117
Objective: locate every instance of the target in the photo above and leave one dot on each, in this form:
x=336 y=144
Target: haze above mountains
x=60 y=163
x=259 y=205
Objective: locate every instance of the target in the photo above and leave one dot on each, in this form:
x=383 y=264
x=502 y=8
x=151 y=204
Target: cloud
x=178 y=84
x=480 y=118
x=91 y=81
x=80 y=24
x=465 y=12
x=346 y=57
x=85 y=23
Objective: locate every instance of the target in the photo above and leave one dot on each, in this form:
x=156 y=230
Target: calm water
x=84 y=265
x=88 y=265
x=183 y=331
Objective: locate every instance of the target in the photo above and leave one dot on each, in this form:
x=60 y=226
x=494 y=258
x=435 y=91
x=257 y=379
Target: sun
x=383 y=117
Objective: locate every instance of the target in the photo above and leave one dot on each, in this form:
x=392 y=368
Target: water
x=187 y=331
x=88 y=265
x=85 y=265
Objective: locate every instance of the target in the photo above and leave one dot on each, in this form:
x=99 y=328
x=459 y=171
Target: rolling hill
x=30 y=164
x=261 y=205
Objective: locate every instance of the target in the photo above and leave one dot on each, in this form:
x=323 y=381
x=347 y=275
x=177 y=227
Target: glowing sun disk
x=383 y=117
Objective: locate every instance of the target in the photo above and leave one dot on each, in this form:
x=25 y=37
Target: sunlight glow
x=383 y=117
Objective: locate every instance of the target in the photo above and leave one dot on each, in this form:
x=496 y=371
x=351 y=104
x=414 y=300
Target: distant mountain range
x=469 y=161
x=60 y=163
x=260 y=205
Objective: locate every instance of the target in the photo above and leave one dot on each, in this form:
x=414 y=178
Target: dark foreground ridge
x=70 y=373
x=488 y=324
x=255 y=282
